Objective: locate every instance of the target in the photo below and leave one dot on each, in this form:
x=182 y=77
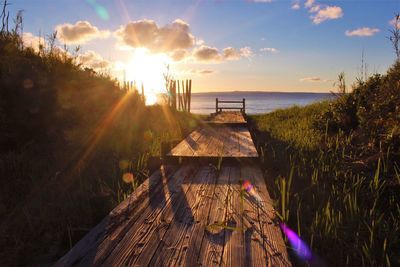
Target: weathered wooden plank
x=188 y=145
x=217 y=141
x=246 y=144
x=129 y=248
x=255 y=254
x=268 y=230
x=203 y=142
x=195 y=218
x=233 y=254
x=214 y=147
x=109 y=231
x=213 y=242
x=228 y=117
x=231 y=144
x=166 y=252
x=188 y=251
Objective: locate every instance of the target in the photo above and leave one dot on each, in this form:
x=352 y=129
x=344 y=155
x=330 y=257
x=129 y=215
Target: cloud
x=327 y=13
x=246 y=51
x=314 y=9
x=79 y=33
x=321 y=12
x=393 y=23
x=93 y=60
x=179 y=55
x=309 y=3
x=30 y=40
x=296 y=5
x=313 y=79
x=202 y=72
x=269 y=50
x=206 y=54
x=362 y=32
x=230 y=53
x=147 y=34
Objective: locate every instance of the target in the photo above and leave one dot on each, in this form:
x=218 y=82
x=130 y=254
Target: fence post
x=190 y=95
x=244 y=105
x=216 y=105
x=144 y=100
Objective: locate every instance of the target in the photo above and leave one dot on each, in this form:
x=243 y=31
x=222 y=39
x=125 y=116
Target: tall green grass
x=336 y=178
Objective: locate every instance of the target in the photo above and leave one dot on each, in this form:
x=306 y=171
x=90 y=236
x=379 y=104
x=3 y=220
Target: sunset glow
x=148 y=69
x=259 y=45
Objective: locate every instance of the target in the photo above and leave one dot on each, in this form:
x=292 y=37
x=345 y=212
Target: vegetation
x=68 y=136
x=337 y=171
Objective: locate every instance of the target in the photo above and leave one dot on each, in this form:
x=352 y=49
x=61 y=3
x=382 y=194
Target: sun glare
x=148 y=69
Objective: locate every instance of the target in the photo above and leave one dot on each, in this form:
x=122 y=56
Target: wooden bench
x=219 y=108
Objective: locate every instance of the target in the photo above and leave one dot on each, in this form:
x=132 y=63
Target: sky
x=231 y=45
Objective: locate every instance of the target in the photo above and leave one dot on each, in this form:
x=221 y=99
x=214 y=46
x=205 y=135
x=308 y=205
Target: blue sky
x=274 y=47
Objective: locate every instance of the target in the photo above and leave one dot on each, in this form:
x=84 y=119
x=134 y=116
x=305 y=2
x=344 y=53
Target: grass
x=335 y=173
x=74 y=145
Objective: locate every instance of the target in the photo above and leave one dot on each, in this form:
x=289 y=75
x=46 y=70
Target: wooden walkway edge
x=190 y=215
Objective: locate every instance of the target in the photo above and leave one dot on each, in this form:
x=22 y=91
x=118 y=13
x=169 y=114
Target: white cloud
x=362 y=32
x=313 y=79
x=322 y=12
x=146 y=33
x=327 y=13
x=93 y=60
x=179 y=55
x=393 y=22
x=296 y=5
x=30 y=40
x=207 y=54
x=231 y=53
x=202 y=72
x=246 y=52
x=79 y=33
x=309 y=3
x=269 y=50
x=314 y=9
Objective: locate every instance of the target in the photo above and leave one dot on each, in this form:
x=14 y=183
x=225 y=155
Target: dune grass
x=73 y=145
x=334 y=170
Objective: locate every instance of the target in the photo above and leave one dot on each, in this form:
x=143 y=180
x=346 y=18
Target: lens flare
x=249 y=188
x=128 y=177
x=300 y=247
x=100 y=10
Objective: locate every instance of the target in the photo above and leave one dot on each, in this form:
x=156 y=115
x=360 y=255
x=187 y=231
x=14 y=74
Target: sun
x=147 y=69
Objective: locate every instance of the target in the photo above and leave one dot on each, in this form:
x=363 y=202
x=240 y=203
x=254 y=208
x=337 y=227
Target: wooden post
x=179 y=96
x=190 y=94
x=174 y=97
x=244 y=105
x=184 y=95
x=172 y=93
x=216 y=105
x=144 y=100
x=187 y=96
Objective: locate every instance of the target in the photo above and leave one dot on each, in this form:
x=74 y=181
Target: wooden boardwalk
x=231 y=139
x=232 y=117
x=189 y=215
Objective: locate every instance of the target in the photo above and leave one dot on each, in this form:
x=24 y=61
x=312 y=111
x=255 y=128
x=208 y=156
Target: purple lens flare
x=300 y=247
x=249 y=188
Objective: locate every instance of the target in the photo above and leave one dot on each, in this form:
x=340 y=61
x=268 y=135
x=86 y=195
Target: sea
x=256 y=102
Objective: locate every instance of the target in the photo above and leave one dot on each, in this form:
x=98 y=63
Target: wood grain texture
x=228 y=117
x=233 y=142
x=194 y=214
